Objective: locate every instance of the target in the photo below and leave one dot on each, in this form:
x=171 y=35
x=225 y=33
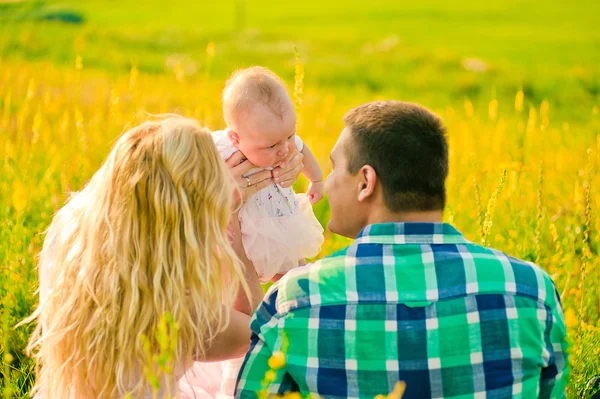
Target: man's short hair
x=406 y=145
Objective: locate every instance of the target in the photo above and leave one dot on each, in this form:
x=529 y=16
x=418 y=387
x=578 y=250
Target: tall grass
x=520 y=180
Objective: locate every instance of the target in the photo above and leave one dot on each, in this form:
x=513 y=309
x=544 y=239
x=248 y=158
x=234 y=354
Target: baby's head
x=260 y=115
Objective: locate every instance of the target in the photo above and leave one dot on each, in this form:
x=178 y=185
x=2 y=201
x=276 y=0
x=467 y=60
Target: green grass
x=409 y=50
x=57 y=123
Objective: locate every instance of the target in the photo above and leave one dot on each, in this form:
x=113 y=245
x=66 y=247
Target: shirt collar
x=410 y=233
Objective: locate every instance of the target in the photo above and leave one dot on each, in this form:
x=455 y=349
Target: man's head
x=390 y=160
x=260 y=115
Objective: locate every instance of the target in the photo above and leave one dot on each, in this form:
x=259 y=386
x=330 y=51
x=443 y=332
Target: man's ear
x=367 y=180
x=233 y=136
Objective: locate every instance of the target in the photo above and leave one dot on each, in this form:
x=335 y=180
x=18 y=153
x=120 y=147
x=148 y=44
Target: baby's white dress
x=278 y=226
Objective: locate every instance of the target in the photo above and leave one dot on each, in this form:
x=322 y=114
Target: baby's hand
x=315 y=191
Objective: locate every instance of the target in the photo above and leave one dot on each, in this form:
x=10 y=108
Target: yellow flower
x=493 y=109
x=277 y=360
x=78 y=62
x=469 y=110
x=210 y=49
x=519 y=100
x=570 y=318
x=270 y=376
x=544 y=108
x=514 y=165
x=133 y=75
x=19 y=196
x=8 y=358
x=398 y=391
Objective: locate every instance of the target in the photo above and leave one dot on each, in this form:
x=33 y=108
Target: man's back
x=415 y=302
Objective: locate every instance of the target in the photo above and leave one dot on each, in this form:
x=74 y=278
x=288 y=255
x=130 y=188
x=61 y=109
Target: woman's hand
x=287 y=173
x=284 y=175
x=247 y=186
x=243 y=303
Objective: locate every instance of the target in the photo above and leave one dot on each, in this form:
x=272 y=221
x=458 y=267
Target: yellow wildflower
x=570 y=318
x=19 y=196
x=78 y=62
x=519 y=100
x=270 y=376
x=277 y=360
x=469 y=109
x=493 y=109
x=133 y=75
x=210 y=49
x=398 y=391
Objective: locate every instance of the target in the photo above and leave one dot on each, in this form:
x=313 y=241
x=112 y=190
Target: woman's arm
x=243 y=303
x=234 y=341
x=231 y=343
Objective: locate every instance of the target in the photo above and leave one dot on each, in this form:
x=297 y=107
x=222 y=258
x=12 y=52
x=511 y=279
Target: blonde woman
x=147 y=235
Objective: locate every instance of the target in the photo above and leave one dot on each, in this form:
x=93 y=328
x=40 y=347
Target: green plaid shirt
x=415 y=302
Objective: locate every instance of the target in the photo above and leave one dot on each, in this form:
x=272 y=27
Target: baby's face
x=266 y=139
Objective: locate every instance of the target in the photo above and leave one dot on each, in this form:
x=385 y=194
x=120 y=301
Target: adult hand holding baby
x=285 y=175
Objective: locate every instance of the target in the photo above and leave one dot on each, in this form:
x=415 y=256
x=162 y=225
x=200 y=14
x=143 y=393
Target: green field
x=412 y=50
x=516 y=82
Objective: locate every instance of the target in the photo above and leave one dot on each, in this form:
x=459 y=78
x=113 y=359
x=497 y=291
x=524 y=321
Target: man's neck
x=385 y=216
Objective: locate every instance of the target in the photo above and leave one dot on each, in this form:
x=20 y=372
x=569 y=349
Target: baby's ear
x=233 y=136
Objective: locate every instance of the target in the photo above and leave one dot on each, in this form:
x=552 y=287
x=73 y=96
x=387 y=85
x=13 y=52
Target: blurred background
x=517 y=82
x=431 y=51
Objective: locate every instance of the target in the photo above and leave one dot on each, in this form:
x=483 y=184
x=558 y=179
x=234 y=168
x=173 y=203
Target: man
x=411 y=299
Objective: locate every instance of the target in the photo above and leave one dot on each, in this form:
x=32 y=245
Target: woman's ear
x=233 y=136
x=367 y=180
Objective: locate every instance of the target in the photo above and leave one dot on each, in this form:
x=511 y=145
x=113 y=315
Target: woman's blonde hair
x=146 y=236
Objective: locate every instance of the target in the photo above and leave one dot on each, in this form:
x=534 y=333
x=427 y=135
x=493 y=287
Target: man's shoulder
x=498 y=271
x=460 y=270
x=302 y=286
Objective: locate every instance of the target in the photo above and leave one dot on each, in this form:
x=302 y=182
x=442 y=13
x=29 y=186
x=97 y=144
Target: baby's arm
x=314 y=174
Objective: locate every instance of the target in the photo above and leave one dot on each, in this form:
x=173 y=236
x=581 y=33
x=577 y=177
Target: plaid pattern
x=415 y=302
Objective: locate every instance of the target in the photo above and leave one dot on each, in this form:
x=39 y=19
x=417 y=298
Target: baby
x=279 y=228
